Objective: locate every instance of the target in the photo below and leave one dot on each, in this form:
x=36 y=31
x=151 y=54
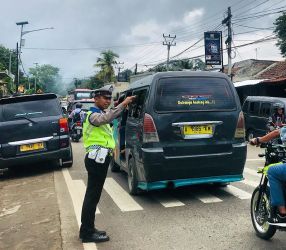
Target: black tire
x=249 y=134
x=259 y=218
x=132 y=178
x=114 y=166
x=67 y=162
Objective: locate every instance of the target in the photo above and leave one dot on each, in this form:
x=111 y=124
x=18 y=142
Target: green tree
x=47 y=78
x=280 y=30
x=105 y=63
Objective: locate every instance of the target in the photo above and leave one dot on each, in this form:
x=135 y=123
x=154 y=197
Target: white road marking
x=236 y=192
x=168 y=201
x=206 y=197
x=77 y=204
x=80 y=187
x=256 y=159
x=251 y=172
x=121 y=198
x=250 y=183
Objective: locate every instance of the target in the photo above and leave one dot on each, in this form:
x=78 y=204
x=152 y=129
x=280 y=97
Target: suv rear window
x=194 y=94
x=30 y=109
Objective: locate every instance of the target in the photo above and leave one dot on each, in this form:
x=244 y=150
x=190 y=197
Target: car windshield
x=82 y=95
x=30 y=109
x=87 y=105
x=194 y=94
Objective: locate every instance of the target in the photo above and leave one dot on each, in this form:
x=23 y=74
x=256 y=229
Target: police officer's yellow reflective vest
x=97 y=136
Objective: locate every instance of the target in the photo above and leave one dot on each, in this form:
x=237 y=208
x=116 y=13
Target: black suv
x=32 y=129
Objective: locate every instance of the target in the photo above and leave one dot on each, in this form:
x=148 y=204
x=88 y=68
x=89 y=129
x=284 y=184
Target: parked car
x=33 y=130
x=185 y=128
x=257 y=110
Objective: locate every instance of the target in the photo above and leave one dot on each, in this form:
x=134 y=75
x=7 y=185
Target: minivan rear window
x=194 y=94
x=30 y=109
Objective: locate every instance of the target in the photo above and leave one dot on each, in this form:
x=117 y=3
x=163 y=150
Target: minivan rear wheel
x=132 y=177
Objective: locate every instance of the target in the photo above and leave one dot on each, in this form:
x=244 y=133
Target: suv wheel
x=67 y=162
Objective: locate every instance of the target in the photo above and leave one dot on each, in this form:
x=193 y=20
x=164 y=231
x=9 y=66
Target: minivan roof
x=146 y=81
x=25 y=98
x=265 y=98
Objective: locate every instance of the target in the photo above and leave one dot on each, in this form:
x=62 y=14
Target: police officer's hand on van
x=129 y=100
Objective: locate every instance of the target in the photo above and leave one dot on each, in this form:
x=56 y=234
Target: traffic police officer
x=99 y=143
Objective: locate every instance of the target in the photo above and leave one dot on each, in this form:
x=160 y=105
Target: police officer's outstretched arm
x=98 y=119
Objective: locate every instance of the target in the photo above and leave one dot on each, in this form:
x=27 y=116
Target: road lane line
x=251 y=172
x=250 y=183
x=77 y=203
x=81 y=191
x=256 y=159
x=236 y=192
x=206 y=197
x=167 y=200
x=120 y=197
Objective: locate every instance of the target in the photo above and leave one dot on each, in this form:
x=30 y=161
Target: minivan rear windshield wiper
x=25 y=117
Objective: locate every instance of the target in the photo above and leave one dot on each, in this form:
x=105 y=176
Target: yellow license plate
x=31 y=147
x=198 y=130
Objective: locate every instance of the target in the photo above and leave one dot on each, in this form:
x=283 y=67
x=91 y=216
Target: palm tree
x=105 y=62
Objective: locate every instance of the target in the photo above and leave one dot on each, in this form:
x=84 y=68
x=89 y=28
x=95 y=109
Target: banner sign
x=213 y=47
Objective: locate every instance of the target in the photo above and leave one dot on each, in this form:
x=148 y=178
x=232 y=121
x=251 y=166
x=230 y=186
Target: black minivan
x=257 y=110
x=32 y=130
x=185 y=128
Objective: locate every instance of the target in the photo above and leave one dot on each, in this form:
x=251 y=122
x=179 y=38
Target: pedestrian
x=99 y=143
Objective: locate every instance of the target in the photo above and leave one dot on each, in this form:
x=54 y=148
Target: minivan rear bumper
x=160 y=170
x=63 y=153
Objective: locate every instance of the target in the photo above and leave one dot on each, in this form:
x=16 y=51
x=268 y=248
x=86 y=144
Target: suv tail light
x=149 y=130
x=64 y=127
x=240 y=128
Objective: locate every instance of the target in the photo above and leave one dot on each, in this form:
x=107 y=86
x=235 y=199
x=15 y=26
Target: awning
x=248 y=82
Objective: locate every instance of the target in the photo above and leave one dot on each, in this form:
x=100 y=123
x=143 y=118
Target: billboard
x=213 y=47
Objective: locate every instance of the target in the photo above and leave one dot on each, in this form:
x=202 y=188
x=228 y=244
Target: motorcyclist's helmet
x=78 y=105
x=278 y=106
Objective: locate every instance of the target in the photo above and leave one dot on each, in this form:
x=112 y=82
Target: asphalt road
x=197 y=217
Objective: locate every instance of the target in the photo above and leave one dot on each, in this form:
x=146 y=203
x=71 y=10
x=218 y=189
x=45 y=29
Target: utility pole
x=169 y=41
x=16 y=81
x=36 y=77
x=228 y=42
x=119 y=68
x=135 y=71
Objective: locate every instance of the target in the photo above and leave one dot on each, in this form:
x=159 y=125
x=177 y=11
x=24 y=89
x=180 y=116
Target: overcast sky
x=131 y=28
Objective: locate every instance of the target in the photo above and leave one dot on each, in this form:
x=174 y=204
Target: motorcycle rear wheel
x=259 y=218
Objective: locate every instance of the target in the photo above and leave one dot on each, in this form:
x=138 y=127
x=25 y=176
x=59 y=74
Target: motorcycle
x=76 y=131
x=261 y=208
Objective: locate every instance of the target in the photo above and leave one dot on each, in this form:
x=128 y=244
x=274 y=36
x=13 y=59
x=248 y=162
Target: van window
x=136 y=109
x=254 y=108
x=194 y=94
x=265 y=109
x=30 y=109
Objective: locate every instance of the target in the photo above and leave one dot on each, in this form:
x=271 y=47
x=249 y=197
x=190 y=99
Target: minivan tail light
x=64 y=127
x=149 y=130
x=240 y=127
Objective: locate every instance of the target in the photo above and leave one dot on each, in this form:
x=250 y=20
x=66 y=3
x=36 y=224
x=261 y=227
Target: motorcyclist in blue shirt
x=277 y=178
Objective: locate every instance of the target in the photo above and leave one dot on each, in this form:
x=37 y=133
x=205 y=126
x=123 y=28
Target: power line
x=257 y=28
